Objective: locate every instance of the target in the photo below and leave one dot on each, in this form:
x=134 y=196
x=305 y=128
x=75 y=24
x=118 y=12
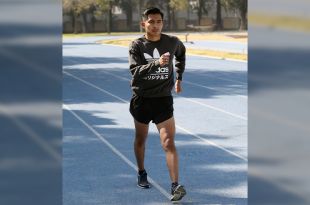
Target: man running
x=151 y=65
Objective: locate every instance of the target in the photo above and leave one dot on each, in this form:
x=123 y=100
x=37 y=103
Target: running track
x=98 y=159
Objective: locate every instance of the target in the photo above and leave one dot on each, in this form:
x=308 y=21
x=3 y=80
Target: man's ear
x=142 y=24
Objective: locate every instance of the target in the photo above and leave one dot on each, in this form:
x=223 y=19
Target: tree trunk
x=108 y=23
x=93 y=22
x=173 y=23
x=129 y=16
x=243 y=14
x=75 y=28
x=199 y=17
x=109 y=18
x=84 y=22
x=141 y=2
x=129 y=20
x=169 y=26
x=199 y=13
x=72 y=21
x=219 y=25
x=243 y=24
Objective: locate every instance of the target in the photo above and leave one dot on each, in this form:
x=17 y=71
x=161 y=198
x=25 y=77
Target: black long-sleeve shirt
x=148 y=78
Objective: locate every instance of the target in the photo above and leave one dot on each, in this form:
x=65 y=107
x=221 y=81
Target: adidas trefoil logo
x=152 y=58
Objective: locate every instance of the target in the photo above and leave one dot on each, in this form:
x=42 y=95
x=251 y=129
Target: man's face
x=153 y=25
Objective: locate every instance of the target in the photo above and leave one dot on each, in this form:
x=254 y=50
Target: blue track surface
x=98 y=157
x=234 y=47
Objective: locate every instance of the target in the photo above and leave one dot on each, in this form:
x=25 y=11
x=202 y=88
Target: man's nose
x=157 y=25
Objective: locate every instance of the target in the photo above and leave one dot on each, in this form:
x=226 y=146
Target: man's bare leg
x=166 y=130
x=139 y=144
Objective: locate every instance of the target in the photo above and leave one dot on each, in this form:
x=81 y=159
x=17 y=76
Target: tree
x=201 y=10
x=242 y=6
x=200 y=7
x=78 y=9
x=171 y=7
x=219 y=25
x=127 y=6
x=140 y=6
x=155 y=3
x=175 y=5
x=105 y=7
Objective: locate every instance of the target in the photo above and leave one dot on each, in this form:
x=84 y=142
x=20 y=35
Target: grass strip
x=202 y=52
x=288 y=22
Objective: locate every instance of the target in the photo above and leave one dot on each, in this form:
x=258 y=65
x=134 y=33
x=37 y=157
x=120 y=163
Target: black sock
x=141 y=171
x=174 y=184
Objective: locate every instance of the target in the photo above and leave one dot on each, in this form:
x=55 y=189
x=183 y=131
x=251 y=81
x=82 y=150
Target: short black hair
x=152 y=10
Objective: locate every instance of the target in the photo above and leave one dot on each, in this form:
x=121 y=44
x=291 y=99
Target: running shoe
x=142 y=180
x=177 y=193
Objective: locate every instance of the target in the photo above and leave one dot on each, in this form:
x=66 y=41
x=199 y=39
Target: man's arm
x=180 y=60
x=136 y=66
x=179 y=65
x=178 y=86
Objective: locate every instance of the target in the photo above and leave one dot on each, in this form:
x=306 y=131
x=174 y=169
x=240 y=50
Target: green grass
x=203 y=52
x=218 y=54
x=289 y=22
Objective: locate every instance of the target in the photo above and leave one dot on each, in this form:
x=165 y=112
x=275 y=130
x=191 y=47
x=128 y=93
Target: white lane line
x=212 y=143
x=221 y=78
x=33 y=135
x=116 y=151
x=187 y=99
x=227 y=79
x=94 y=86
x=215 y=108
x=30 y=64
x=190 y=133
x=210 y=88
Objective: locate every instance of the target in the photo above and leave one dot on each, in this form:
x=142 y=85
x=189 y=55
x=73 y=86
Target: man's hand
x=164 y=59
x=178 y=87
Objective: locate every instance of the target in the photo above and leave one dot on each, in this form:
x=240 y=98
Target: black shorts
x=157 y=109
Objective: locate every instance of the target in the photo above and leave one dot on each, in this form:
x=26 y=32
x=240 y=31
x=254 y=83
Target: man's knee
x=168 y=144
x=140 y=139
